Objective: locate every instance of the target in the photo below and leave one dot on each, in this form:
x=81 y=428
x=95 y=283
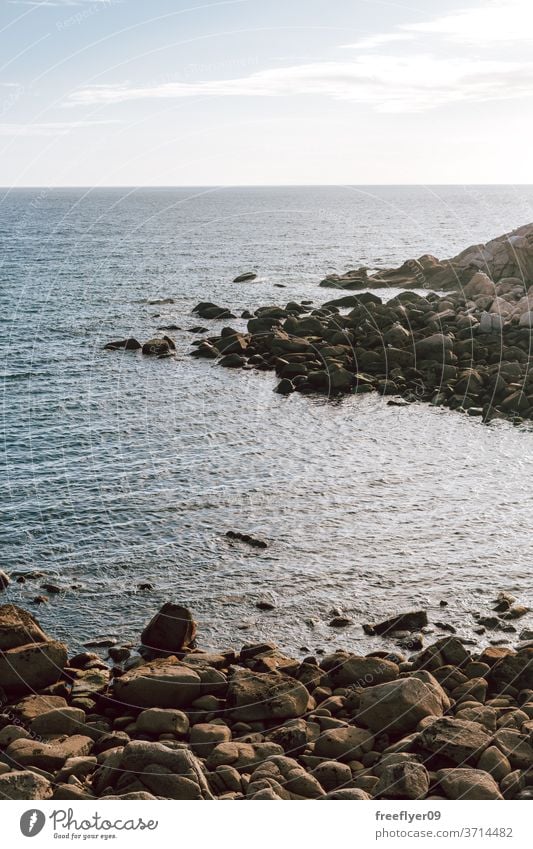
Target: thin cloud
x=58 y=128
x=373 y=41
x=412 y=83
x=497 y=22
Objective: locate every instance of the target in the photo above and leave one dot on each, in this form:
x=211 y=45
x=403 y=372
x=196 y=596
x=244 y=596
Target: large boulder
x=25 y=785
x=253 y=697
x=398 y=706
x=163 y=683
x=360 y=671
x=468 y=784
x=172 y=629
x=32 y=667
x=433 y=347
x=515 y=670
x=459 y=740
x=166 y=772
x=403 y=780
x=48 y=756
x=18 y=628
x=344 y=744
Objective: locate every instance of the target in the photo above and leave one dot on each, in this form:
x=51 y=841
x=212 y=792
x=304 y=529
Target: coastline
x=174 y=722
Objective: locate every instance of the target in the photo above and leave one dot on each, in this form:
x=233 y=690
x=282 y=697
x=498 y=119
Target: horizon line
x=257 y=185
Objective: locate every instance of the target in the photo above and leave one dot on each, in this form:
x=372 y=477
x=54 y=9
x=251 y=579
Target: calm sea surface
x=120 y=469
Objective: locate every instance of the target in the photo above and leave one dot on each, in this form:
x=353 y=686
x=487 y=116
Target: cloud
x=60 y=3
x=373 y=41
x=58 y=128
x=495 y=22
x=410 y=83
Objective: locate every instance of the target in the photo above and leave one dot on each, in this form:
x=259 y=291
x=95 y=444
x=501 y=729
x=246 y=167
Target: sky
x=265 y=92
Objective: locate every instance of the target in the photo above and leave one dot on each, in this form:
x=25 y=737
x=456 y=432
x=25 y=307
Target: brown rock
x=32 y=667
x=344 y=744
x=457 y=739
x=171 y=630
x=398 y=706
x=18 y=628
x=408 y=780
x=163 y=683
x=24 y=784
x=273 y=695
x=468 y=784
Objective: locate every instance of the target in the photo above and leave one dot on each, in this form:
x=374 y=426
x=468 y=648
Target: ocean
x=121 y=470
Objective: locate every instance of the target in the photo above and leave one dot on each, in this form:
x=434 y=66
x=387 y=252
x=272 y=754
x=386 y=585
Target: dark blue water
x=120 y=469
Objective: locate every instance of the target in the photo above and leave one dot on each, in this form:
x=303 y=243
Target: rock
x=242 y=756
x=246 y=277
x=161 y=302
x=32 y=667
x=162 y=721
x=433 y=347
x=459 y=740
x=166 y=772
x=348 y=670
x=48 y=756
x=118 y=654
x=344 y=744
x=253 y=697
x=171 y=630
x=516 y=747
x=4 y=580
x=206 y=309
x=24 y=785
x=349 y=793
x=398 y=706
x=206 y=735
x=29 y=707
x=232 y=361
x=156 y=347
x=408 y=780
x=18 y=628
x=63 y=720
x=513 y=669
x=10 y=733
x=412 y=621
x=129 y=344
x=163 y=683
x=265 y=604
x=494 y=761
x=340 y=622
x=468 y=784
x=332 y=775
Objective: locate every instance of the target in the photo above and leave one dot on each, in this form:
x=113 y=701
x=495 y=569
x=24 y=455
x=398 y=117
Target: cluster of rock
x=156 y=347
x=510 y=255
x=175 y=722
x=468 y=350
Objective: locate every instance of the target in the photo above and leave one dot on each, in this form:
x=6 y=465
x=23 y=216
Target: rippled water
x=121 y=469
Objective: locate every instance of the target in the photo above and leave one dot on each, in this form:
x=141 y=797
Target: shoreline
x=175 y=722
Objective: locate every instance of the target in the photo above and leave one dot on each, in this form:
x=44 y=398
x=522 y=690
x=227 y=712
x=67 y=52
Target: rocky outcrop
x=507 y=259
x=469 y=352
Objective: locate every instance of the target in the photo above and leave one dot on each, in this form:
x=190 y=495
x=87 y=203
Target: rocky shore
x=468 y=349
x=174 y=722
